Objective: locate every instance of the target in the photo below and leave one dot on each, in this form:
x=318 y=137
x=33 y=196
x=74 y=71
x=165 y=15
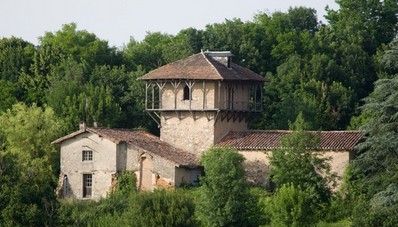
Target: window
x=230 y=98
x=186 y=93
x=87 y=155
x=87 y=185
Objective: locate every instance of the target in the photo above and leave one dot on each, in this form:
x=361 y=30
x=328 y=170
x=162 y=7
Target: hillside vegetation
x=336 y=76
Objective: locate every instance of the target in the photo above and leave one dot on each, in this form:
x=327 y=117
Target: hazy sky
x=118 y=20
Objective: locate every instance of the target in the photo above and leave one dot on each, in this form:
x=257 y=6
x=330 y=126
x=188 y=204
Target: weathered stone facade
x=196 y=132
x=113 y=151
x=103 y=165
x=257 y=145
x=257 y=165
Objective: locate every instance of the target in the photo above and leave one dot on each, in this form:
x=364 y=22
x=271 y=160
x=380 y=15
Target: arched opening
x=186 y=95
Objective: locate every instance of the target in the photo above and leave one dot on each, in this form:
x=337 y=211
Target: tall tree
x=373 y=174
x=35 y=81
x=156 y=50
x=28 y=165
x=299 y=163
x=15 y=55
x=224 y=195
x=368 y=23
x=82 y=46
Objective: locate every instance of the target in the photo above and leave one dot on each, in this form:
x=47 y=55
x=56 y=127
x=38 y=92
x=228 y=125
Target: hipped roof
x=202 y=67
x=143 y=140
x=271 y=139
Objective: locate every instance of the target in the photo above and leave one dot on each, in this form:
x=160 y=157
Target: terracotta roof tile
x=143 y=140
x=270 y=139
x=201 y=67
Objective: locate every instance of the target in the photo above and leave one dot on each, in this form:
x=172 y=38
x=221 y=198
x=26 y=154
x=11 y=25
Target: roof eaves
x=69 y=136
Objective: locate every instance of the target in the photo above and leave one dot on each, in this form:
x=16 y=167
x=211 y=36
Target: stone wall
x=257 y=165
x=164 y=173
x=192 y=132
x=102 y=167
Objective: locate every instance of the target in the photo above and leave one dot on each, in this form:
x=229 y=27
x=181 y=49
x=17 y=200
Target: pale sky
x=118 y=20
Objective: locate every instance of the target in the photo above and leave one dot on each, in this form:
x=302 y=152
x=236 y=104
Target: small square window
x=87 y=155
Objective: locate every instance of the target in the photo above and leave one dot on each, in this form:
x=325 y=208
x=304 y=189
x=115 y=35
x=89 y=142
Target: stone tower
x=196 y=101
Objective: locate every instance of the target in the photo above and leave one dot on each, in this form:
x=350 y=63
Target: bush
x=82 y=213
x=126 y=183
x=381 y=210
x=224 y=194
x=299 y=163
x=292 y=206
x=162 y=208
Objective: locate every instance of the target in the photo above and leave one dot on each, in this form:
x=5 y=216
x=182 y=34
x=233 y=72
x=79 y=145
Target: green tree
x=298 y=162
x=82 y=46
x=15 y=56
x=373 y=174
x=381 y=143
x=93 y=104
x=305 y=86
x=35 y=81
x=292 y=206
x=29 y=165
x=66 y=79
x=224 y=195
x=7 y=92
x=365 y=22
x=127 y=92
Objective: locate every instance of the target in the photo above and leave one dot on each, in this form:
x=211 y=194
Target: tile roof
x=270 y=139
x=201 y=66
x=144 y=140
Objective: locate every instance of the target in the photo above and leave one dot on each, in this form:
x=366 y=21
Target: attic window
x=87 y=155
x=186 y=95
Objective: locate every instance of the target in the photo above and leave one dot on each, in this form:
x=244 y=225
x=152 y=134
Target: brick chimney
x=82 y=125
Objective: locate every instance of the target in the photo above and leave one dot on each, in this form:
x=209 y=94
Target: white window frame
x=87 y=155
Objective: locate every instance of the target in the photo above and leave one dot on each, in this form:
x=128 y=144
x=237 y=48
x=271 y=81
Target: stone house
x=201 y=101
x=92 y=157
x=257 y=145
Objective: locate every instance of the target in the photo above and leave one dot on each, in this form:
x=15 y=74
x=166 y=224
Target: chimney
x=96 y=124
x=224 y=57
x=82 y=125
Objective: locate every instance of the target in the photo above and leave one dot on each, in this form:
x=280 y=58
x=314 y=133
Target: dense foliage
x=332 y=76
x=374 y=174
x=28 y=165
x=224 y=195
x=292 y=206
x=299 y=164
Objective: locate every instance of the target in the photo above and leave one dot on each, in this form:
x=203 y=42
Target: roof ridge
x=285 y=130
x=211 y=64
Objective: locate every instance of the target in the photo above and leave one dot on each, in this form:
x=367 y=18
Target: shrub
x=292 y=206
x=380 y=211
x=299 y=163
x=126 y=183
x=161 y=208
x=224 y=195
